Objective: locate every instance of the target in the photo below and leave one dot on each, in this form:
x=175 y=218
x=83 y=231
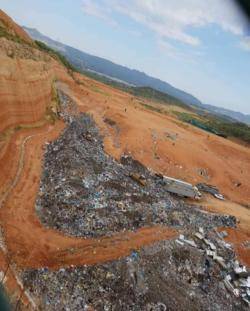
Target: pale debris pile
x=85 y=192
x=237 y=277
x=163 y=276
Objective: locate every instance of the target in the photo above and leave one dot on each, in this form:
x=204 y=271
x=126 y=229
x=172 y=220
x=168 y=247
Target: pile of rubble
x=236 y=276
x=165 y=276
x=85 y=192
x=210 y=189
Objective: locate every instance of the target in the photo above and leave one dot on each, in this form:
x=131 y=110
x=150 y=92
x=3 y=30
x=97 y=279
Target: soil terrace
x=158 y=141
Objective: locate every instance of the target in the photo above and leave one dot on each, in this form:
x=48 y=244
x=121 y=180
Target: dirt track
x=32 y=245
x=161 y=142
x=141 y=132
x=225 y=161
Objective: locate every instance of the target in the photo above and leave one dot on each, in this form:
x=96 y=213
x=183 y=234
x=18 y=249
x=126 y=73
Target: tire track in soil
x=33 y=246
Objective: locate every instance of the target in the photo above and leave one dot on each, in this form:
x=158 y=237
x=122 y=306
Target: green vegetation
x=217 y=125
x=55 y=54
x=98 y=90
x=40 y=45
x=150 y=107
x=152 y=94
x=144 y=92
x=4 y=33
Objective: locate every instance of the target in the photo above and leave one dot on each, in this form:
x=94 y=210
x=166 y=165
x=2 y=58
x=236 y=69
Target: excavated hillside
x=86 y=222
x=26 y=89
x=26 y=77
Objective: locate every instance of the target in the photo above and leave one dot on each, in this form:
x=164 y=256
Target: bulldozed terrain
x=86 y=222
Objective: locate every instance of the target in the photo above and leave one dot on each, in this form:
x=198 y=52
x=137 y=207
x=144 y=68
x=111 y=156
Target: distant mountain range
x=84 y=61
x=238 y=116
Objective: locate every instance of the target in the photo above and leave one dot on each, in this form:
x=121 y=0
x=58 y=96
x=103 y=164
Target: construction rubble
x=237 y=277
x=196 y=270
x=210 y=189
x=86 y=193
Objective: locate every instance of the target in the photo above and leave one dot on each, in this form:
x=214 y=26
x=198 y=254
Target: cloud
x=135 y=33
x=174 y=19
x=168 y=48
x=245 y=44
x=170 y=19
x=99 y=10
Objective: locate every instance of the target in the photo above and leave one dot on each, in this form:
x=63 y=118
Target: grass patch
x=142 y=92
x=52 y=110
x=97 y=90
x=39 y=45
x=55 y=54
x=150 y=107
x=4 y=33
x=217 y=125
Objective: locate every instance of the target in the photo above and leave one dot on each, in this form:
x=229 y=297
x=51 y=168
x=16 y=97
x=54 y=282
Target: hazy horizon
x=200 y=47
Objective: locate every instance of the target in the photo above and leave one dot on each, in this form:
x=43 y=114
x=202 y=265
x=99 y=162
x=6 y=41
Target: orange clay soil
x=145 y=133
x=32 y=245
x=13 y=28
x=239 y=237
x=241 y=242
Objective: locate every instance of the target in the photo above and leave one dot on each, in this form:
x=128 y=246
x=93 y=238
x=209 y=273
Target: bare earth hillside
x=69 y=145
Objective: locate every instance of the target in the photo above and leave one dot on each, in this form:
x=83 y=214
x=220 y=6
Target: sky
x=199 y=46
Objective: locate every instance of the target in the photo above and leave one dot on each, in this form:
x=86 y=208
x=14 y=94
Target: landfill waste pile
x=86 y=193
x=210 y=189
x=169 y=275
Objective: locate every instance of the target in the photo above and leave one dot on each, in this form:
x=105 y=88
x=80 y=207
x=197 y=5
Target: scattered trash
x=140 y=179
x=219 y=196
x=237 y=280
x=164 y=276
x=84 y=192
x=210 y=189
x=181 y=188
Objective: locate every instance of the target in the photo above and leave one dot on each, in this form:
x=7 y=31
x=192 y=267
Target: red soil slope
x=13 y=28
x=25 y=93
x=194 y=155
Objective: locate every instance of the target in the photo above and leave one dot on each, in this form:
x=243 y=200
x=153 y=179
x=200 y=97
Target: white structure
x=181 y=188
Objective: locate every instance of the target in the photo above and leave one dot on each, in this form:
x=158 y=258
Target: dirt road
x=31 y=245
x=158 y=141
x=165 y=144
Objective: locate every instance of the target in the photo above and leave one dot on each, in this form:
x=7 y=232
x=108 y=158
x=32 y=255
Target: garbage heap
x=85 y=192
x=168 y=275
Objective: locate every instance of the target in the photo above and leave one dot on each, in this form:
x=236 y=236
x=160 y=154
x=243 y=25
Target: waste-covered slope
x=95 y=235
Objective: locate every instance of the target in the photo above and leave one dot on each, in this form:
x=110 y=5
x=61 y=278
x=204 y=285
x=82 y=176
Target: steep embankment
x=12 y=28
x=26 y=98
x=159 y=141
x=26 y=88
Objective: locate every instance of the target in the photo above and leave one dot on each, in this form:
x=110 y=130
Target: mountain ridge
x=109 y=68
x=84 y=61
